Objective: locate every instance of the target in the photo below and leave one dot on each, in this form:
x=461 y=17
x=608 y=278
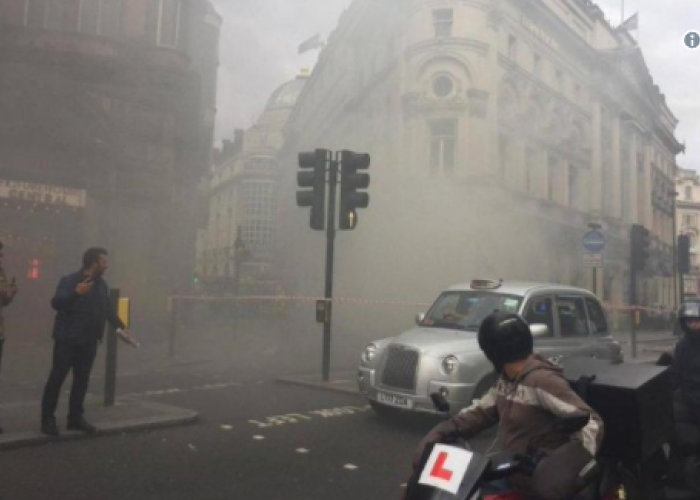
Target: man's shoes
x=49 y=427
x=80 y=424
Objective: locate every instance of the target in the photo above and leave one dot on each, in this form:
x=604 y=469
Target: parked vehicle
x=441 y=354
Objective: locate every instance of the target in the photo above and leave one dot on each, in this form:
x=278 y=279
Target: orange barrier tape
x=296 y=298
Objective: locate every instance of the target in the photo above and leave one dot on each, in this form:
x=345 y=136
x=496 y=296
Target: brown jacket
x=527 y=408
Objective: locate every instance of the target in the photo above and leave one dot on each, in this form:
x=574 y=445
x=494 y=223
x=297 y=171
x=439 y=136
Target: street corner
x=339 y=382
x=21 y=420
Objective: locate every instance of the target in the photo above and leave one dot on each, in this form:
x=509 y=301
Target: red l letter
x=438 y=470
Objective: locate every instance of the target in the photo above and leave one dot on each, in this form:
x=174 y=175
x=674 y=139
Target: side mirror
x=419 y=318
x=539 y=330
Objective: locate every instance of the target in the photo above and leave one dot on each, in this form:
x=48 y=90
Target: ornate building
x=106 y=118
x=688 y=222
x=499 y=130
x=242 y=193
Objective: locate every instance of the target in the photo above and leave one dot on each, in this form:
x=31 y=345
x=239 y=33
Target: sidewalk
x=21 y=420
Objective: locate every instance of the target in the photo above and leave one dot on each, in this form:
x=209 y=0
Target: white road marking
x=175 y=390
x=295 y=418
x=302 y=450
x=350 y=466
x=258 y=437
x=226 y=427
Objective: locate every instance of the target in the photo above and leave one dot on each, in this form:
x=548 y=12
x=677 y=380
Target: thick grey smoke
x=260 y=39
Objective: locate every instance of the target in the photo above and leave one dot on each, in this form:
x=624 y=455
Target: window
x=37 y=13
x=573 y=186
x=64 y=14
x=442 y=20
x=258 y=215
x=512 y=48
x=688 y=193
x=530 y=169
x=110 y=18
x=13 y=11
x=537 y=64
x=443 y=145
x=90 y=17
x=539 y=311
x=596 y=315
x=443 y=86
x=572 y=316
x=504 y=154
x=559 y=81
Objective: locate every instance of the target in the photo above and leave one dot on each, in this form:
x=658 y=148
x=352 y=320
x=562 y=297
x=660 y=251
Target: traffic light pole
x=633 y=310
x=330 y=247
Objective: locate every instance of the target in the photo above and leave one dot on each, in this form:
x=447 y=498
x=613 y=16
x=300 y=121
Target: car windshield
x=466 y=310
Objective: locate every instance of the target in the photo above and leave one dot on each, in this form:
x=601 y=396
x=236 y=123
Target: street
x=255 y=439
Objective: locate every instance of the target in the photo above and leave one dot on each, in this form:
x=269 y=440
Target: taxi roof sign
x=481 y=284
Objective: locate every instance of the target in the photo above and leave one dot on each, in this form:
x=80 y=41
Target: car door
x=574 y=327
x=602 y=343
x=539 y=309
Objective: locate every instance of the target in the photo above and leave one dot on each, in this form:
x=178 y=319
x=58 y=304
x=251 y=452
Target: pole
x=330 y=242
x=594 y=275
x=633 y=311
x=173 y=325
x=111 y=354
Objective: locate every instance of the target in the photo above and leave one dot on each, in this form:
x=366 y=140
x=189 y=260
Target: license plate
x=393 y=400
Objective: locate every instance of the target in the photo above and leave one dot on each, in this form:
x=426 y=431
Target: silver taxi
x=441 y=354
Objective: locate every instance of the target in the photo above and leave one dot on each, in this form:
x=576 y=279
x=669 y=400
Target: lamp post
x=240 y=253
x=676 y=287
x=593 y=226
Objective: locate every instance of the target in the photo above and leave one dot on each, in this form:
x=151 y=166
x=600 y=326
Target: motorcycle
x=450 y=470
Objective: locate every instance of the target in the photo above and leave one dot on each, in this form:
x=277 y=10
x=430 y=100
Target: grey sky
x=260 y=39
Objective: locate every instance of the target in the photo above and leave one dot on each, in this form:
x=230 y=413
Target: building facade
x=499 y=130
x=688 y=223
x=107 y=116
x=242 y=190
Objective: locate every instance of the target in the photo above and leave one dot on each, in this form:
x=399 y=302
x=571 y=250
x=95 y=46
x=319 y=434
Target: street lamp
x=676 y=296
x=240 y=253
x=594 y=226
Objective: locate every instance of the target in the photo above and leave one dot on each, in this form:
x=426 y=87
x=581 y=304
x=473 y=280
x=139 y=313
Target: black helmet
x=688 y=310
x=505 y=338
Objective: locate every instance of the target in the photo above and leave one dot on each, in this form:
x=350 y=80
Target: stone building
x=688 y=222
x=242 y=193
x=499 y=130
x=106 y=124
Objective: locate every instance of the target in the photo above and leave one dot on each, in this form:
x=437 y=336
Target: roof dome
x=287 y=94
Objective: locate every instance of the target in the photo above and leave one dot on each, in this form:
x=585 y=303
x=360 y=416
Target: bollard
x=173 y=325
x=111 y=354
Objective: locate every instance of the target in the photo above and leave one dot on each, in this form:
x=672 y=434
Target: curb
x=341 y=382
x=169 y=416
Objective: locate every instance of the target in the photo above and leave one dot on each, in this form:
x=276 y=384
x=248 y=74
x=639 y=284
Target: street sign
x=591 y=259
x=594 y=241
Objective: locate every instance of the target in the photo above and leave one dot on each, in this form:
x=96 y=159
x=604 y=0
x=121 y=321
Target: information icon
x=692 y=40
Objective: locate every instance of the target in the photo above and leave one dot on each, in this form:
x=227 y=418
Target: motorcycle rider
x=530 y=395
x=685 y=370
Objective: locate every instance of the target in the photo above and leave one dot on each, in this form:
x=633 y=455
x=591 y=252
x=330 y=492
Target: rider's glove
x=440 y=433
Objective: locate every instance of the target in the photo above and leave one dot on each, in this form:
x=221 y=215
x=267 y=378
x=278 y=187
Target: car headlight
x=450 y=365
x=369 y=353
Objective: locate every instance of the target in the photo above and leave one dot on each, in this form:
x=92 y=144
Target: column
x=596 y=173
x=632 y=176
x=616 y=209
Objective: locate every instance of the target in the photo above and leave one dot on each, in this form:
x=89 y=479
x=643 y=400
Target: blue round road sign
x=594 y=241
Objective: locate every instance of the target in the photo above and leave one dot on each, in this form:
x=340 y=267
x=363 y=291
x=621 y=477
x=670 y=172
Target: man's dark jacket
x=82 y=318
x=686 y=371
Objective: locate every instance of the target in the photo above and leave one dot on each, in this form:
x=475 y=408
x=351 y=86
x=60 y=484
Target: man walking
x=82 y=308
x=8 y=290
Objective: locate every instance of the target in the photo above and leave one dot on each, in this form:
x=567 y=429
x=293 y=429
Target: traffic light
x=316 y=180
x=350 y=182
x=640 y=246
x=683 y=253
